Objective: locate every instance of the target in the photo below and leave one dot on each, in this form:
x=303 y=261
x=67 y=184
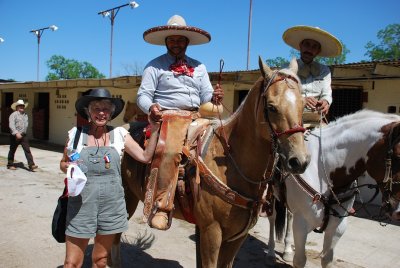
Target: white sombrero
x=176 y=25
x=330 y=45
x=17 y=103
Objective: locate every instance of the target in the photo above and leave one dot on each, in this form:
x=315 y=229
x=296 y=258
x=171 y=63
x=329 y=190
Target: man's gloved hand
x=155 y=112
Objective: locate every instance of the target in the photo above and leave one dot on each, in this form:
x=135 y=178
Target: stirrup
x=160 y=220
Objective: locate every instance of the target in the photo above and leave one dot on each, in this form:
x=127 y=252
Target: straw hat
x=82 y=103
x=176 y=25
x=330 y=45
x=17 y=103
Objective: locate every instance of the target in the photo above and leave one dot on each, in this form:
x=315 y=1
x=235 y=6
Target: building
x=373 y=85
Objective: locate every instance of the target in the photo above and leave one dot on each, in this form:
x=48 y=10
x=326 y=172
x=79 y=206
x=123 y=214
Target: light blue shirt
x=172 y=92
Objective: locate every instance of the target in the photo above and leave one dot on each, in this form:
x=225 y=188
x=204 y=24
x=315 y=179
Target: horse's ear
x=264 y=68
x=293 y=65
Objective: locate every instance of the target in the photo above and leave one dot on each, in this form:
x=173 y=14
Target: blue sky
x=84 y=35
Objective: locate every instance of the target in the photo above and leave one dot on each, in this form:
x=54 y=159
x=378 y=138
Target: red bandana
x=181 y=67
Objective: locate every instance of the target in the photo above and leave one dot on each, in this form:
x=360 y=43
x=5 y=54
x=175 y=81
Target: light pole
x=38 y=33
x=249 y=35
x=112 y=13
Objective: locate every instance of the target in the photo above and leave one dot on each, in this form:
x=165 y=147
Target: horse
x=323 y=196
x=133 y=113
x=235 y=163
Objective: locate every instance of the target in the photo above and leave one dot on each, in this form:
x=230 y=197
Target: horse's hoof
x=160 y=221
x=288 y=257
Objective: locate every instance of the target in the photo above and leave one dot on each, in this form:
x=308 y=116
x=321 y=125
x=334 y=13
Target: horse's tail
x=280 y=220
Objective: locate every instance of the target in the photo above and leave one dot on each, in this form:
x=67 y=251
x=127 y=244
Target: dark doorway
x=7 y=100
x=80 y=121
x=345 y=101
x=40 y=114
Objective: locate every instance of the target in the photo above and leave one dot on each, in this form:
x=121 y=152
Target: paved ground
x=28 y=199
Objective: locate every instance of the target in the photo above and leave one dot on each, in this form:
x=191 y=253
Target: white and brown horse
x=322 y=197
x=235 y=164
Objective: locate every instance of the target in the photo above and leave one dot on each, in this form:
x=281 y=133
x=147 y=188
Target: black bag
x=58 y=224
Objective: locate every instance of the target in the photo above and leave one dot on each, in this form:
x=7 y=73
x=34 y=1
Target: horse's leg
x=210 y=244
x=115 y=257
x=300 y=233
x=288 y=241
x=228 y=252
x=271 y=241
x=334 y=231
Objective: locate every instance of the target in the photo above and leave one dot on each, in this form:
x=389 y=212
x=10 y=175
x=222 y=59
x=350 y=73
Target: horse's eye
x=272 y=108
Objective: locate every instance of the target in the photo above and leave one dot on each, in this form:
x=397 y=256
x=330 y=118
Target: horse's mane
x=355 y=125
x=233 y=117
x=364 y=114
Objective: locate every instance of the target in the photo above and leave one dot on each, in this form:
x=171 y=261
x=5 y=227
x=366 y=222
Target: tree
x=335 y=60
x=278 y=62
x=70 y=69
x=389 y=47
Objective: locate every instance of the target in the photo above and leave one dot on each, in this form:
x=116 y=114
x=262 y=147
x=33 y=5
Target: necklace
x=103 y=137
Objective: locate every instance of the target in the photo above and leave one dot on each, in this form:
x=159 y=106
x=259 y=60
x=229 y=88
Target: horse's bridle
x=297 y=128
x=388 y=178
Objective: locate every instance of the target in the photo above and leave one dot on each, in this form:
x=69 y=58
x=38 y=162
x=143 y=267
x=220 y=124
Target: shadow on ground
x=40 y=144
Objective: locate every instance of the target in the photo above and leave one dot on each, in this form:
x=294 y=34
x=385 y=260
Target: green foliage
x=389 y=47
x=335 y=60
x=62 y=68
x=278 y=62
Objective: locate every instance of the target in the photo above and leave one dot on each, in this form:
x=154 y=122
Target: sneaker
x=11 y=168
x=32 y=167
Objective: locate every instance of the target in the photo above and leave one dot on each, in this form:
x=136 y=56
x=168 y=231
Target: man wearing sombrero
x=18 y=123
x=173 y=88
x=315 y=77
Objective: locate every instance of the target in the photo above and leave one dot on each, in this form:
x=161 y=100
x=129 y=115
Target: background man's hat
x=176 y=25
x=17 y=103
x=98 y=94
x=330 y=45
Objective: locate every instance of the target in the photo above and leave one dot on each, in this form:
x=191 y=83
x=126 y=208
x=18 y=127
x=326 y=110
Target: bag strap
x=77 y=136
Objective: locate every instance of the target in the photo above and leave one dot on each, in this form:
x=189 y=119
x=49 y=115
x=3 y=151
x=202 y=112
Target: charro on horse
x=227 y=173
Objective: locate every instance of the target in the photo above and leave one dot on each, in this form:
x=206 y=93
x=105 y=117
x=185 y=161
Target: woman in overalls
x=99 y=211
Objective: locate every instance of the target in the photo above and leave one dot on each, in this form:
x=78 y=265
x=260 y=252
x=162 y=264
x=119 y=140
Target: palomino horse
x=236 y=162
x=323 y=195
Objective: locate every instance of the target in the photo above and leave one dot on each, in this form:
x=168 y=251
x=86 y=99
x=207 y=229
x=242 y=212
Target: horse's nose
x=296 y=166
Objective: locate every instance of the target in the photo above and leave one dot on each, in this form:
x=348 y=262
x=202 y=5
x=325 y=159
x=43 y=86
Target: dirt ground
x=28 y=199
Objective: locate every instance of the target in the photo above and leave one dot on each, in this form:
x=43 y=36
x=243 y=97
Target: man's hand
x=313 y=104
x=322 y=107
x=155 y=112
x=218 y=95
x=18 y=136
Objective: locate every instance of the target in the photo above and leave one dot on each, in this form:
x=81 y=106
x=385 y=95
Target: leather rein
x=388 y=178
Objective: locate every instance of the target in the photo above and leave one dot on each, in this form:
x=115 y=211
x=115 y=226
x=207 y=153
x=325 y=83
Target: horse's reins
x=388 y=178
